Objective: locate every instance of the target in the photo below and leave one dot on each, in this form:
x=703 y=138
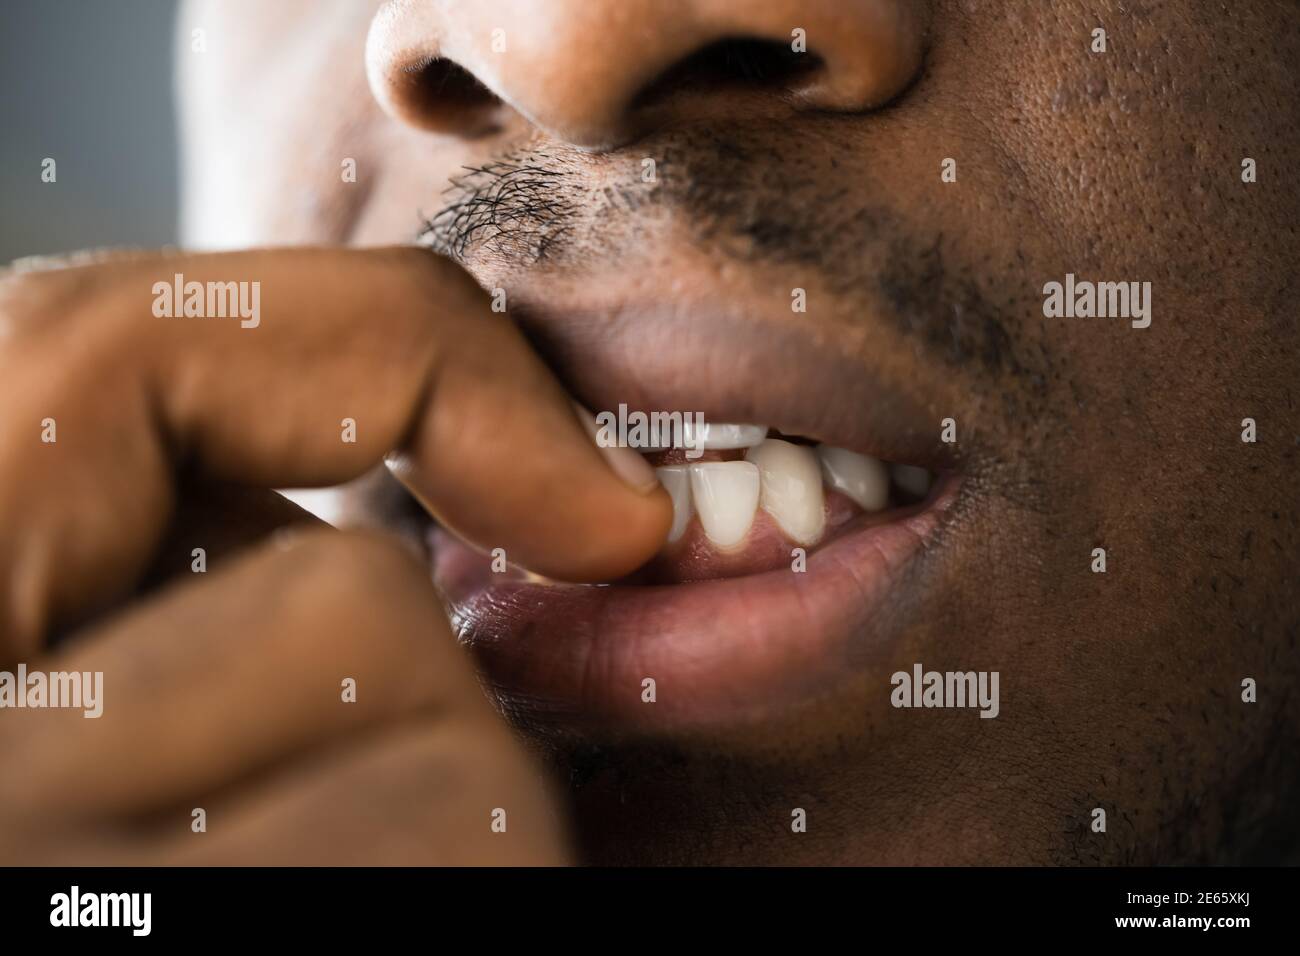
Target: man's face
x=852 y=244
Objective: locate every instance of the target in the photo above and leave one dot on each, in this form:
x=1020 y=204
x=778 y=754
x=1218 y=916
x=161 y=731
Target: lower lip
x=719 y=652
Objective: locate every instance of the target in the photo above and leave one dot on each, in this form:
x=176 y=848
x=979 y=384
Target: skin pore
x=1120 y=690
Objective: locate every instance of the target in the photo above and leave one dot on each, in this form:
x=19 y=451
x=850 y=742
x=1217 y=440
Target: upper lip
x=730 y=368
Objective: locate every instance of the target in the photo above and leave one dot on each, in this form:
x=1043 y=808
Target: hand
x=226 y=692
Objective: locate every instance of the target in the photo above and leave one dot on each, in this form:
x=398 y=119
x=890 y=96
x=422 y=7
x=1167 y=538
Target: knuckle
x=438 y=278
x=30 y=300
x=47 y=295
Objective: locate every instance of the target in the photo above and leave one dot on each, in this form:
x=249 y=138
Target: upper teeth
x=717 y=437
x=784 y=478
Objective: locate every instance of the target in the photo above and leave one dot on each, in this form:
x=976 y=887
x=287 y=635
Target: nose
x=586 y=71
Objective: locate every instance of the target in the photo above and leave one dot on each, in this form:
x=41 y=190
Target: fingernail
x=624 y=462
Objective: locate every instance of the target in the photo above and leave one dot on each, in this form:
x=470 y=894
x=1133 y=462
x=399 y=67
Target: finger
x=353 y=354
x=283 y=651
x=427 y=794
x=212 y=521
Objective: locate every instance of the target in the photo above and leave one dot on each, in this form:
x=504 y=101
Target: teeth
x=718 y=437
x=860 y=477
x=913 y=480
x=783 y=478
x=726 y=497
x=676 y=480
x=791 y=488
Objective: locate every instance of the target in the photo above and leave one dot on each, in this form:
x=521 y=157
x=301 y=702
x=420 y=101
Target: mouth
x=796 y=551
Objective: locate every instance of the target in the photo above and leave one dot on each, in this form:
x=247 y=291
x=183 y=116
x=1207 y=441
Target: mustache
x=761 y=197
x=511 y=208
x=747 y=191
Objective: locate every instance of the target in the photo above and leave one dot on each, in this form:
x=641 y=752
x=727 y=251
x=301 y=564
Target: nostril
x=733 y=63
x=447 y=81
x=440 y=94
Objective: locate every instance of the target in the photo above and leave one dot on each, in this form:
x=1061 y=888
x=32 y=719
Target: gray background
x=88 y=83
